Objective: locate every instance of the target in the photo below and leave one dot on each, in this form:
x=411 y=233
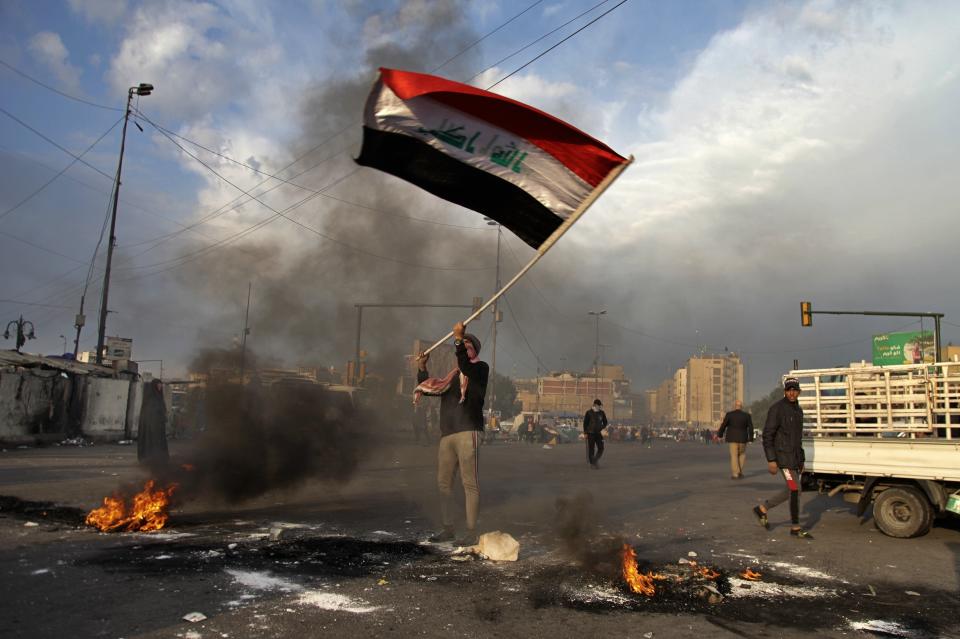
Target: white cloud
x=48 y=49
x=105 y=11
x=775 y=96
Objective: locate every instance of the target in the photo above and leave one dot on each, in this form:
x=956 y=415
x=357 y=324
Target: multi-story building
x=700 y=392
x=568 y=392
x=714 y=382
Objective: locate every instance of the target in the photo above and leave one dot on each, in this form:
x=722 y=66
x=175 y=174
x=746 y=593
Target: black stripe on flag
x=415 y=161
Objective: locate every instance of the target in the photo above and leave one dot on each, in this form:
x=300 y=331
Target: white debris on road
x=741 y=588
x=803 y=571
x=262 y=581
x=886 y=628
x=335 y=601
x=793 y=569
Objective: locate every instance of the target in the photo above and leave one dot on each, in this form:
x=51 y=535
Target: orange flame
x=750 y=575
x=707 y=573
x=147 y=511
x=638 y=583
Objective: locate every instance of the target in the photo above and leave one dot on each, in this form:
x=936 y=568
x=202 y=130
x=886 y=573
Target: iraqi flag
x=511 y=162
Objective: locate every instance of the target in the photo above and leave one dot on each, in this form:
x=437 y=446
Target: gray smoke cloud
x=305 y=288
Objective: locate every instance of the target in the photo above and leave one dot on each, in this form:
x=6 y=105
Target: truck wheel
x=903 y=512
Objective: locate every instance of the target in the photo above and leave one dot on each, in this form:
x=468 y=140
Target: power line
x=524 y=66
x=530 y=44
x=23 y=303
x=476 y=42
x=76 y=159
x=168 y=132
x=58 y=91
x=68 y=152
x=520 y=330
x=310 y=228
x=40 y=248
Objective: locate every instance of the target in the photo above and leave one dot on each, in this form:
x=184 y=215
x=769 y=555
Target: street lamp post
x=496 y=318
x=21 y=335
x=142 y=89
x=596 y=353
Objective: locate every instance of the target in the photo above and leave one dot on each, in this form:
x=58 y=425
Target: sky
x=784 y=151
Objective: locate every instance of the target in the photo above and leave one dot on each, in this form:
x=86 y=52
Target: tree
x=759 y=408
x=506 y=396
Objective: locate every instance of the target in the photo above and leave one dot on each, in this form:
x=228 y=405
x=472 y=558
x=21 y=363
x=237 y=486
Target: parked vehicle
x=887 y=436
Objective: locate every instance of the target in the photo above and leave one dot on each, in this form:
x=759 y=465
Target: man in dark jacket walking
x=738 y=426
x=462 y=393
x=594 y=421
x=783 y=447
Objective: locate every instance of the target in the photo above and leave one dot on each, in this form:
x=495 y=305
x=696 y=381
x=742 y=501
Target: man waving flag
x=509 y=161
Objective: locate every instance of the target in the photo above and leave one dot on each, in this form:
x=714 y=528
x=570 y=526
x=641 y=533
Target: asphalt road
x=349 y=559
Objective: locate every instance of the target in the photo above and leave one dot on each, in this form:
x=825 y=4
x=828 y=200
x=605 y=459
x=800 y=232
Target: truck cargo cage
x=910 y=401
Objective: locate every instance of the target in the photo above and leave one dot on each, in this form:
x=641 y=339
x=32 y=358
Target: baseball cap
x=791 y=382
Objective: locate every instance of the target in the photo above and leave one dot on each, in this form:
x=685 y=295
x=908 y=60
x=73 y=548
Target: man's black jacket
x=783 y=434
x=454 y=416
x=594 y=421
x=738 y=426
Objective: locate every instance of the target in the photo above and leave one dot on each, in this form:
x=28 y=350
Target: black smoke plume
x=262 y=439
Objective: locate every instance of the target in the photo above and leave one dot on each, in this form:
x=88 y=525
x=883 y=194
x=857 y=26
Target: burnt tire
x=903 y=512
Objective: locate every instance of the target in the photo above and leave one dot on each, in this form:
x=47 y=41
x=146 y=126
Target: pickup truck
x=887 y=436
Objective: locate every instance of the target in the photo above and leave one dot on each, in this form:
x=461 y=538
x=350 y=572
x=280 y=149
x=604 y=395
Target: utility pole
x=246 y=331
x=79 y=322
x=596 y=353
x=496 y=318
x=142 y=89
x=360 y=307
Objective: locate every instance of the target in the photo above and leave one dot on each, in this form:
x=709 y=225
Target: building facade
x=699 y=393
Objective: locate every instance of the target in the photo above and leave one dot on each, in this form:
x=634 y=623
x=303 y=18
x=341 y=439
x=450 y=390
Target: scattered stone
x=31 y=524
x=194 y=617
x=691 y=554
x=913 y=594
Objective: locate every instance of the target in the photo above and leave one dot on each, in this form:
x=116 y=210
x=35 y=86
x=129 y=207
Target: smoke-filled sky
x=785 y=151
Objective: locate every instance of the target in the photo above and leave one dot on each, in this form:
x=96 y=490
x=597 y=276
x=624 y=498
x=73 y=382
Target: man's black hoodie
x=454 y=416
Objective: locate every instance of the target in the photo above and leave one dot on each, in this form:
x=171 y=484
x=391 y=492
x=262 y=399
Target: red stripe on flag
x=586 y=156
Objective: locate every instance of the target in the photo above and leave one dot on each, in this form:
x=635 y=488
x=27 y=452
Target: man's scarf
x=440 y=385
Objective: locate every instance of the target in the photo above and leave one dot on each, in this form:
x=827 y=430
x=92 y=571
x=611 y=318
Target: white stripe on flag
x=479 y=144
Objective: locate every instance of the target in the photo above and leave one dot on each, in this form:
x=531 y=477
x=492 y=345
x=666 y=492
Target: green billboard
x=890 y=349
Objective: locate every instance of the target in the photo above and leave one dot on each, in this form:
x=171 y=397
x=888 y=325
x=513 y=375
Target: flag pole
x=547 y=245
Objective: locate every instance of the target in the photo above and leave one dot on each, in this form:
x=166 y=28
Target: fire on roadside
x=146 y=511
x=750 y=575
x=638 y=582
x=707 y=573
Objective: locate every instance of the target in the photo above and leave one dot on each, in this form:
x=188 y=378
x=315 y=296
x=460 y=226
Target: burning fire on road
x=636 y=581
x=701 y=581
x=145 y=511
x=750 y=575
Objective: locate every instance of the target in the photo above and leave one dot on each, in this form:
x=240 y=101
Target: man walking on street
x=783 y=447
x=738 y=427
x=594 y=421
x=461 y=392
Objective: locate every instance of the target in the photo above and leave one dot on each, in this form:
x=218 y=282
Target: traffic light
x=806 y=314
